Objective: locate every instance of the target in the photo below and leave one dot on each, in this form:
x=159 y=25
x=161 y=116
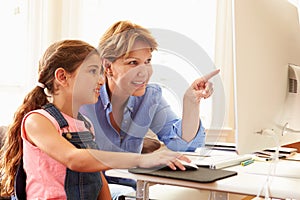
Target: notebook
x=201 y=175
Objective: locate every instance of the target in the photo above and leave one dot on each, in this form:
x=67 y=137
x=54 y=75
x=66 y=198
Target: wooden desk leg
x=142 y=190
x=218 y=195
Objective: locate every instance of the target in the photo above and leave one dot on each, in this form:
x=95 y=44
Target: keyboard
x=221 y=161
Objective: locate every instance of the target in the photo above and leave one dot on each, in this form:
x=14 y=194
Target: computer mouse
x=188 y=166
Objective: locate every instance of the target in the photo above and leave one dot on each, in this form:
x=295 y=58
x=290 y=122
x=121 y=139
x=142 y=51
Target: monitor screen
x=266 y=41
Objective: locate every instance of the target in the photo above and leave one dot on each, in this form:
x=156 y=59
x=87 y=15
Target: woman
x=55 y=141
x=128 y=106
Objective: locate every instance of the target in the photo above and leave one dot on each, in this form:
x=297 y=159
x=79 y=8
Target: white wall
x=50 y=20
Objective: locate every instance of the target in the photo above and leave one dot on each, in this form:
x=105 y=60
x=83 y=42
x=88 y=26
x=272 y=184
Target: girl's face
x=130 y=75
x=88 y=81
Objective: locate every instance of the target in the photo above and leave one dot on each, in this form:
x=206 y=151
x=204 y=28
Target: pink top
x=45 y=176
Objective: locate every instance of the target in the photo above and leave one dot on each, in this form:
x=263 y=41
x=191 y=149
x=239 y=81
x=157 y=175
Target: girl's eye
x=94 y=71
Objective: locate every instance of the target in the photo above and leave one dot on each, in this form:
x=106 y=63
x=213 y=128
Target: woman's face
x=130 y=75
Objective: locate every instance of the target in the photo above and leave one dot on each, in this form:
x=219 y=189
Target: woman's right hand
x=163 y=157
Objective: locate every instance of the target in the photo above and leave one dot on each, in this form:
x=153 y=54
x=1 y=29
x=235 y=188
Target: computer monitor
x=266 y=42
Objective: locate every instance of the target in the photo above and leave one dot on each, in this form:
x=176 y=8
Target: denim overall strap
x=54 y=112
x=86 y=123
x=79 y=185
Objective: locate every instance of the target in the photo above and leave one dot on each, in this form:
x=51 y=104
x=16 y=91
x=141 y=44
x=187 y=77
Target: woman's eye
x=133 y=62
x=148 y=61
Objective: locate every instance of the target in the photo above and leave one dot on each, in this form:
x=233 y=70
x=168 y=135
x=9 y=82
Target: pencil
x=247 y=162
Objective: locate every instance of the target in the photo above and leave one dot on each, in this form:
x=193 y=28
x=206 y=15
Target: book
x=228 y=146
x=282 y=150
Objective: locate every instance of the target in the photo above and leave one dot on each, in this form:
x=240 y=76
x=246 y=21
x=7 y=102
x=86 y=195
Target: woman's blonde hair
x=66 y=54
x=119 y=39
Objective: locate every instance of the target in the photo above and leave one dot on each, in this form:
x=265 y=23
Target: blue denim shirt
x=150 y=111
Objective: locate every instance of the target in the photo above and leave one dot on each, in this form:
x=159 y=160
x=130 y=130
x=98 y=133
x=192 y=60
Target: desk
x=246 y=182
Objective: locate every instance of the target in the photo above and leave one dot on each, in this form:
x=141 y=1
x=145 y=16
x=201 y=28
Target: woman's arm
x=190 y=117
x=168 y=127
x=200 y=88
x=42 y=133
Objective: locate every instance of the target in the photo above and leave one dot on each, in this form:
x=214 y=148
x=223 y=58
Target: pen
x=247 y=162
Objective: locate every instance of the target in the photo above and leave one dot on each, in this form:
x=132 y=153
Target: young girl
x=54 y=141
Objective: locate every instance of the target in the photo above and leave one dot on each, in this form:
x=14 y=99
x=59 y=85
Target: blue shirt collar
x=106 y=102
x=104 y=97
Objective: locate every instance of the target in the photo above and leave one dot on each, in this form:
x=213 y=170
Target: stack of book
x=269 y=154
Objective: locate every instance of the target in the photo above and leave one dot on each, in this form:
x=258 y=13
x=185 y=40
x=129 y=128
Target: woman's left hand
x=201 y=87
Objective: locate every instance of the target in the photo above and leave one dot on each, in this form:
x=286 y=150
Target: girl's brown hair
x=66 y=54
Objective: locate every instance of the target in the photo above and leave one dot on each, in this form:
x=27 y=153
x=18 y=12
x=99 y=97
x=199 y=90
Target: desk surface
x=247 y=181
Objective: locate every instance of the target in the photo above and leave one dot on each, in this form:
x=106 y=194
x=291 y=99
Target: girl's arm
x=42 y=133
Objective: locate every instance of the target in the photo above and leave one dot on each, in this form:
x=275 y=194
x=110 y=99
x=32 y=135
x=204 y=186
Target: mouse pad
x=201 y=175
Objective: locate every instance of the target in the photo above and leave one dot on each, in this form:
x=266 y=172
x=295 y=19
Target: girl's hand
x=163 y=157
